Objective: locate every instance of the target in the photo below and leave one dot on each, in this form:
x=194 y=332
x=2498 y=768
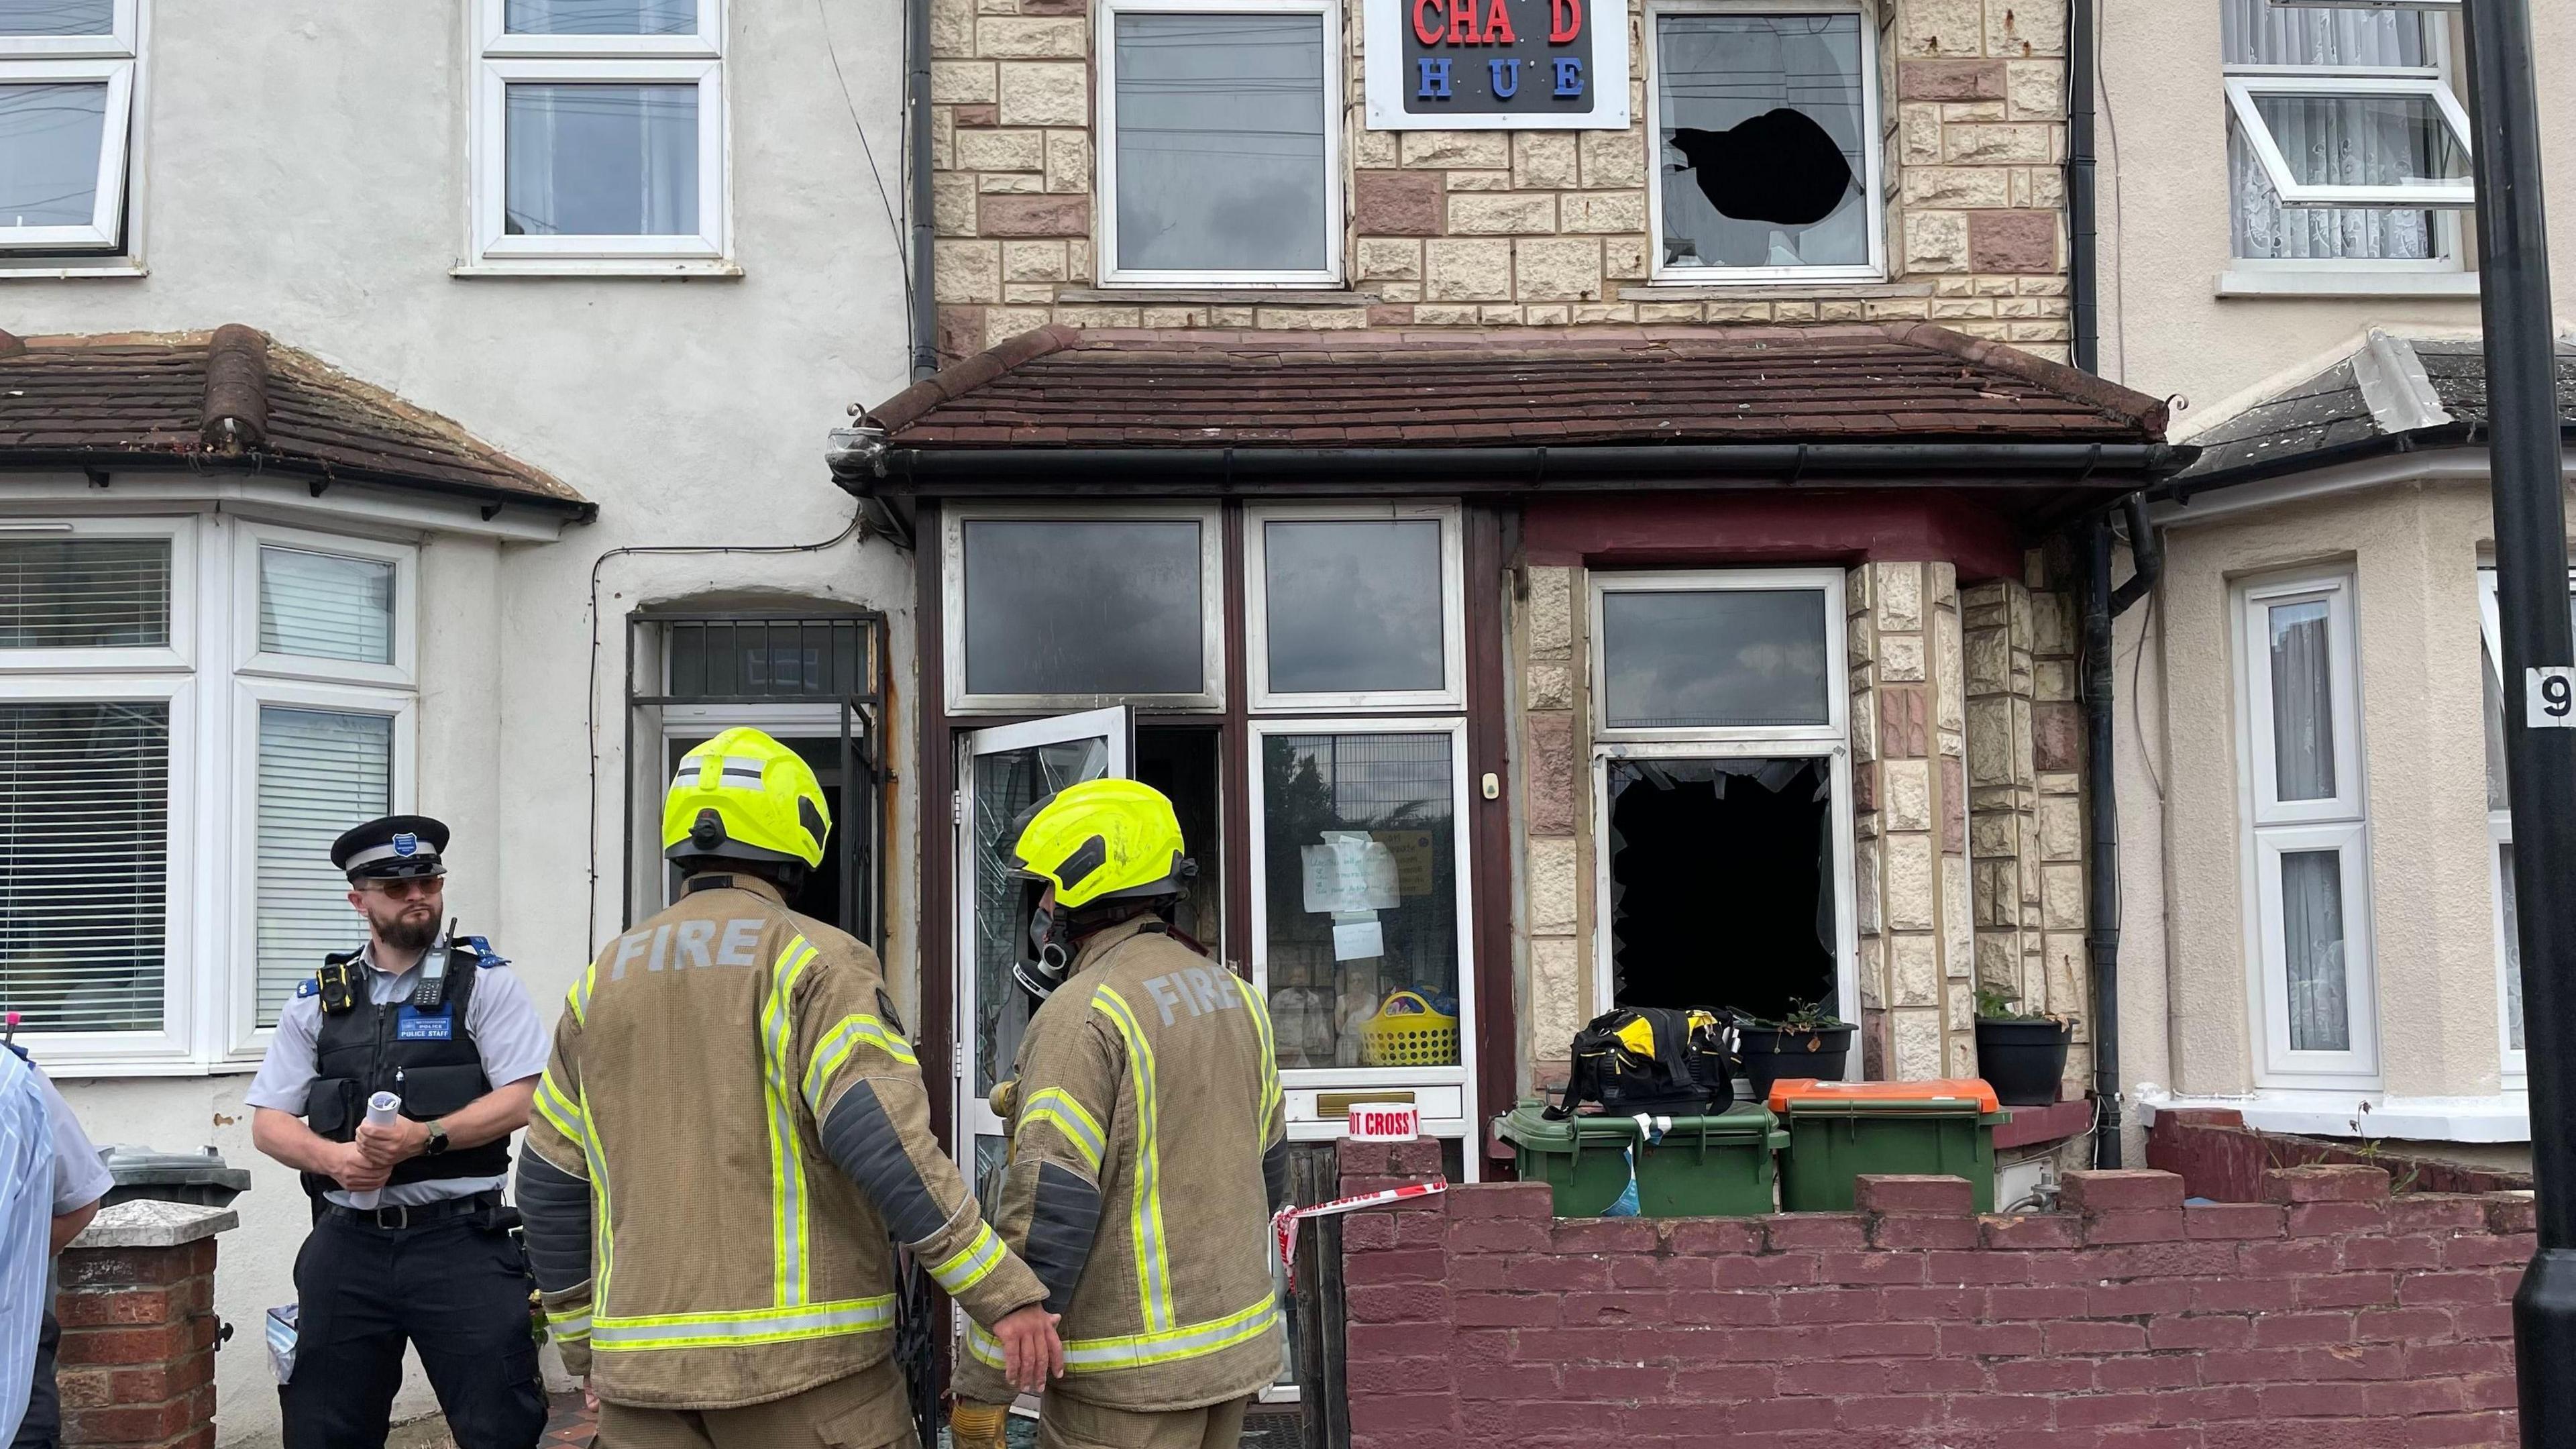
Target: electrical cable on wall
x=832 y=50
x=2119 y=238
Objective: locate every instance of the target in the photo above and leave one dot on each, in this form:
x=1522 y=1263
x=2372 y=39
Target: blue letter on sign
x=1569 y=76
x=1435 y=78
x=1507 y=78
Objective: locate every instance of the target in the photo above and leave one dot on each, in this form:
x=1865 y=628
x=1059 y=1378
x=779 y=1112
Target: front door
x=1001 y=773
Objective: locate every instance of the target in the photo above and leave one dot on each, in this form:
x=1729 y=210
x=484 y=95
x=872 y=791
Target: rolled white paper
x=383 y=1109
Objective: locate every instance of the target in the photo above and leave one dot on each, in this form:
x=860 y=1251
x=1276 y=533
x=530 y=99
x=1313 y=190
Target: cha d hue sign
x=1521 y=65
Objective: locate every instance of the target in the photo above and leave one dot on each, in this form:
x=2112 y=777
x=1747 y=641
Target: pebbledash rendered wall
x=2328 y=1316
x=1488 y=228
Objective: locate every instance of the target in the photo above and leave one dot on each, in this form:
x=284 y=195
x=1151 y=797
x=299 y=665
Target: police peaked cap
x=392 y=847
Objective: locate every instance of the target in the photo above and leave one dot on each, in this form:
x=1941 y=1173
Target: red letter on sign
x=1498 y=24
x=1427 y=33
x=1564 y=20
x=1463 y=29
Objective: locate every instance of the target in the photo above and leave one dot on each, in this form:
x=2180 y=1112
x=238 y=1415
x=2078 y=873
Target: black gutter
x=316 y=477
x=925 y=309
x=1511 y=469
x=2083 y=279
x=2102 y=604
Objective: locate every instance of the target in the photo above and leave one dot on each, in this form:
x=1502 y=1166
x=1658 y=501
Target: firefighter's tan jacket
x=1148 y=1149
x=731 y=1123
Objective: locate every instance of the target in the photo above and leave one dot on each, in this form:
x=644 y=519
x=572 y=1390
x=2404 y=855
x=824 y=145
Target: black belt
x=395 y=1218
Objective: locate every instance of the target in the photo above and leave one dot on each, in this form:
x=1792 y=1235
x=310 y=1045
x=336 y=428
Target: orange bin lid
x=1947 y=1089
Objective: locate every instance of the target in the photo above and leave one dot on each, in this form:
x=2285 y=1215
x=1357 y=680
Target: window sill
x=2329 y=282
x=1286 y=294
x=2318 y=1112
x=643 y=268
x=1681 y=290
x=96 y=1069
x=52 y=270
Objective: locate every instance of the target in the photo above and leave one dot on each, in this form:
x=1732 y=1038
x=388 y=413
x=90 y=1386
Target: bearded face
x=407 y=921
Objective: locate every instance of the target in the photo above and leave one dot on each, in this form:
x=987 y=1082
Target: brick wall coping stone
x=145 y=1223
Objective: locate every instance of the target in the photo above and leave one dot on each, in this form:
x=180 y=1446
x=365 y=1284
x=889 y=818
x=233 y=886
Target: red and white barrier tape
x=1283 y=1223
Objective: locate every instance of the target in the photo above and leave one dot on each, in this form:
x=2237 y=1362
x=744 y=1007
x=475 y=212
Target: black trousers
x=43 y=1426
x=457 y=1290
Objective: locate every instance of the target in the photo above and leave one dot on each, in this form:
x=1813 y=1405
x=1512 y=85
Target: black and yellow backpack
x=1652 y=1059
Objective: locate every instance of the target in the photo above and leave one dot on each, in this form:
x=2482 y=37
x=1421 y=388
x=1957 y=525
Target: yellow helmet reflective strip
x=1069 y=1117
x=749 y=1326
x=1270 y=1094
x=840 y=1041
x=562 y=1111
x=981 y=1255
x=577 y=1000
x=1143 y=1350
x=786 y=1147
x=1153 y=1265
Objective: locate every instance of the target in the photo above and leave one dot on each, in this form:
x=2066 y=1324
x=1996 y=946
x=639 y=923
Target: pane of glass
x=770 y=658
x=85 y=593
x=326 y=606
x=1360 y=847
x=1221 y=142
x=84 y=864
x=2363 y=140
x=2303 y=758
x=2499 y=779
x=1353 y=606
x=1703 y=658
x=600 y=17
x=602 y=160
x=2512 y=946
x=2263 y=227
x=320 y=772
x=2312 y=944
x=57 y=17
x=1763 y=128
x=2258 y=32
x=49 y=140
x=1094 y=608
x=1006 y=784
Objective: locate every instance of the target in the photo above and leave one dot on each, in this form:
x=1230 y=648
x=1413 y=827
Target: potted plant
x=1805 y=1041
x=2021 y=1054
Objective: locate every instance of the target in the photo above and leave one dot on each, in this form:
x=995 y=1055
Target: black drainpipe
x=924 y=311
x=2102 y=604
x=2083 y=284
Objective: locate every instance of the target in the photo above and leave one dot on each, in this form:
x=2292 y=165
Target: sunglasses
x=405 y=887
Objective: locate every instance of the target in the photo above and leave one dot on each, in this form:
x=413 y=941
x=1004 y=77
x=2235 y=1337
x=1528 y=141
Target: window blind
x=320 y=772
x=326 y=606
x=85 y=593
x=84 y=863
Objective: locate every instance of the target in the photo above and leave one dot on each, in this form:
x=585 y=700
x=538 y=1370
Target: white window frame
x=1873 y=120
x=1105 y=148
x=952 y=583
x=254 y=537
x=1829 y=582
x=179 y=654
x=501 y=59
x=2270 y=827
x=1452 y=693
x=2247 y=83
x=112 y=58
x=2515 y=1061
x=1332 y=1079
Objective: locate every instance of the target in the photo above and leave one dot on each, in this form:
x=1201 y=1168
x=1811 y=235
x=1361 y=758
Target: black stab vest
x=427 y=1058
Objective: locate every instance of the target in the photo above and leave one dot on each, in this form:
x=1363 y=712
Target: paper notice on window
x=1414 y=859
x=1349 y=872
x=1357 y=936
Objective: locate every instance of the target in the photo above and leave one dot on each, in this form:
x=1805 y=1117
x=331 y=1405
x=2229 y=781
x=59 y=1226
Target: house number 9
x=2549 y=698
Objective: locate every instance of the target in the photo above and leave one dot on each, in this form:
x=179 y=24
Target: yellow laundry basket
x=1406 y=1032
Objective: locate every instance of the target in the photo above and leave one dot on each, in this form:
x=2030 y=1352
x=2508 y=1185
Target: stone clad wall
x=1538 y=228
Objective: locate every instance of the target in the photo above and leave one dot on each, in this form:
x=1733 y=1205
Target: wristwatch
x=437 y=1140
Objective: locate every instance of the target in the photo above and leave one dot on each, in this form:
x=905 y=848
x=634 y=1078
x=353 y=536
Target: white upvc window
x=2348 y=148
x=1354 y=606
x=1219 y=143
x=1766 y=127
x=2307 y=835
x=598 y=137
x=195 y=707
x=67 y=74
x=2500 y=871
x=1050 y=608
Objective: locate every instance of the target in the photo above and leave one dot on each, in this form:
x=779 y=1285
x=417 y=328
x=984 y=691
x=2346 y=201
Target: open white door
x=1001 y=772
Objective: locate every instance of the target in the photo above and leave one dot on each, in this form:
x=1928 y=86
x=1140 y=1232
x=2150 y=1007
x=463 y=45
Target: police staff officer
x=447 y=1028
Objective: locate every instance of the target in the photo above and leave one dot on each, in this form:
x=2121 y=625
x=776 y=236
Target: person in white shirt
x=26 y=1217
x=80 y=1180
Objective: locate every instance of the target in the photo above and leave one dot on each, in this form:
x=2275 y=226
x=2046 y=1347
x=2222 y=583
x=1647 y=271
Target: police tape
x=1283 y=1223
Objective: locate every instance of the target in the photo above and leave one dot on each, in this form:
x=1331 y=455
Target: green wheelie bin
x=1839 y=1131
x=1700 y=1167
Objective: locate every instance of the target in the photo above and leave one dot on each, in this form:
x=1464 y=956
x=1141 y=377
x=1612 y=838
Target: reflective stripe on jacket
x=1147 y=1109
x=731 y=1125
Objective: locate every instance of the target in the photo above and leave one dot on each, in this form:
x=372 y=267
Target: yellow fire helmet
x=745 y=796
x=1103 y=840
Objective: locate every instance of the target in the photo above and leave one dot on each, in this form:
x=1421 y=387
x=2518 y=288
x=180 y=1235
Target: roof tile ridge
x=964 y=376
x=2148 y=412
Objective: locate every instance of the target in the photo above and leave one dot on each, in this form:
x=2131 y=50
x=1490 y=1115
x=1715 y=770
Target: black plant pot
x=1771 y=1054
x=2024 y=1061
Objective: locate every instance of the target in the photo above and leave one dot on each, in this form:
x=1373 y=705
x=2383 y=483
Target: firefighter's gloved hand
x=976 y=1426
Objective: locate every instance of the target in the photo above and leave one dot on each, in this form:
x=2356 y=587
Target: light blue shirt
x=26 y=1217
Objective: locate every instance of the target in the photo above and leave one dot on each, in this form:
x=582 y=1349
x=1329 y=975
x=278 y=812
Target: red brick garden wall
x=137 y=1363
x=2329 y=1315
x=2219 y=1157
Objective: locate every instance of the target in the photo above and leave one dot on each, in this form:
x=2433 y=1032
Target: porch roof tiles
x=232 y=398
x=1850 y=383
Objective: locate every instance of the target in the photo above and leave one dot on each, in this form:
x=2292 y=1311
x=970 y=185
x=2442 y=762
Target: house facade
x=2316 y=847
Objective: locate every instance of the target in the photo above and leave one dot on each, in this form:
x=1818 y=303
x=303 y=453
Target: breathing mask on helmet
x=1047 y=957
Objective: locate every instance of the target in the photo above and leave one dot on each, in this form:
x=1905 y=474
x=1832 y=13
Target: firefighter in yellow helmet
x=730 y=1126
x=1148 y=1147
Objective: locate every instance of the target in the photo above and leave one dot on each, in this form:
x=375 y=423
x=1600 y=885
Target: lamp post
x=2539 y=668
